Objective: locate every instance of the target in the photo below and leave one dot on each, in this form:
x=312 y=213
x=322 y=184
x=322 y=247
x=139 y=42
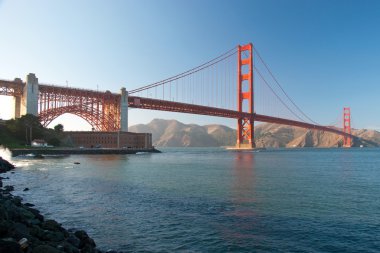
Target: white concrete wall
x=124 y=110
x=29 y=100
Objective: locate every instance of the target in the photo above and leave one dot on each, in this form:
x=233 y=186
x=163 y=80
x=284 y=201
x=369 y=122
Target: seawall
x=79 y=151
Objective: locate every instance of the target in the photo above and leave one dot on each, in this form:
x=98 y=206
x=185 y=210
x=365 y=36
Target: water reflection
x=243 y=216
x=243 y=188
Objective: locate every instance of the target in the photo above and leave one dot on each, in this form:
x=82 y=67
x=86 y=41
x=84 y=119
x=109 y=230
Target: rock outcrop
x=24 y=229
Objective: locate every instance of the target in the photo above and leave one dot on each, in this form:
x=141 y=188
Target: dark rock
x=36 y=213
x=111 y=251
x=60 y=247
x=5 y=227
x=25 y=215
x=34 y=222
x=69 y=248
x=81 y=234
x=5 y=165
x=58 y=233
x=73 y=240
x=17 y=200
x=53 y=236
x=9 y=188
x=26 y=189
x=51 y=225
x=19 y=231
x=36 y=231
x=88 y=249
x=85 y=240
x=20 y=221
x=45 y=249
x=3 y=213
x=9 y=247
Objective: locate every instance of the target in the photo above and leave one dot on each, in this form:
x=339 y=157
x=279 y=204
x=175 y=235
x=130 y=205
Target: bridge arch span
x=100 y=109
x=96 y=119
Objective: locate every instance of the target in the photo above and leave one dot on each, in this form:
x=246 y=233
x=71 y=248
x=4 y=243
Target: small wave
x=5 y=153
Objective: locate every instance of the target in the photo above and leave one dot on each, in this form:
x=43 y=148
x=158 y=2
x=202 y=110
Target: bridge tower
x=347 y=141
x=124 y=110
x=28 y=103
x=245 y=127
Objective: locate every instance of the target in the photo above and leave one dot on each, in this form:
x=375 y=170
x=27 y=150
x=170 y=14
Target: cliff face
x=172 y=133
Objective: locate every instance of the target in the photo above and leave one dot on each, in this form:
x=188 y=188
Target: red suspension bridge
x=231 y=85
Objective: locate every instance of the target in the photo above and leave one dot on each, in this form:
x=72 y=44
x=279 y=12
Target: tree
x=54 y=141
x=58 y=128
x=28 y=127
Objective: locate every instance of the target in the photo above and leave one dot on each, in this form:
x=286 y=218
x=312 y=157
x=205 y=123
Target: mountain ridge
x=172 y=133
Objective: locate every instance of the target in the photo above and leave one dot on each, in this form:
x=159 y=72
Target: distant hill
x=172 y=133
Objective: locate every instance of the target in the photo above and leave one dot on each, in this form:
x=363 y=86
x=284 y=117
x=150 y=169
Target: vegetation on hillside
x=19 y=133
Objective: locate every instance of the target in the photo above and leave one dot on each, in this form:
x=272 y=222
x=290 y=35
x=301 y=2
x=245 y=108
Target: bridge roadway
x=11 y=88
x=164 y=105
x=15 y=88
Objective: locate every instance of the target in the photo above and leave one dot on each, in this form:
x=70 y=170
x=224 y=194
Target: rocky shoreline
x=24 y=229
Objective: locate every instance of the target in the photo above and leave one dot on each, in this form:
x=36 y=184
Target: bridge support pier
x=123 y=110
x=28 y=102
x=17 y=110
x=245 y=127
x=17 y=100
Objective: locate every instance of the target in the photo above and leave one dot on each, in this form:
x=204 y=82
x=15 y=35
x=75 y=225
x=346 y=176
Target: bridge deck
x=15 y=88
x=163 y=105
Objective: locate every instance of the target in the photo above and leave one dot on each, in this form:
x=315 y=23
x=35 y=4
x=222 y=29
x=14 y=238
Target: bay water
x=212 y=200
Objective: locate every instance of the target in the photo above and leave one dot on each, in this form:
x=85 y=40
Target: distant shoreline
x=79 y=151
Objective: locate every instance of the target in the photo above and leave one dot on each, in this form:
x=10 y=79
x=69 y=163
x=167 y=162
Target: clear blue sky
x=326 y=54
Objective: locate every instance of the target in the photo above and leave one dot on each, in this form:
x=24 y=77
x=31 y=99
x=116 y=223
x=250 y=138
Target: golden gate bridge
x=237 y=84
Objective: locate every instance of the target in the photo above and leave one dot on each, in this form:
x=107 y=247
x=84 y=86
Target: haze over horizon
x=324 y=53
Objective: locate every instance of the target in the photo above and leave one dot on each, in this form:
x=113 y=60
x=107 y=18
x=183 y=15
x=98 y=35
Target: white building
x=39 y=143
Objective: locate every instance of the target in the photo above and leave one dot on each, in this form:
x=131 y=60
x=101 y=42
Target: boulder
x=10 y=247
x=3 y=213
x=5 y=227
x=17 y=200
x=68 y=248
x=45 y=249
x=73 y=240
x=36 y=231
x=9 y=188
x=5 y=165
x=51 y=225
x=36 y=213
x=85 y=240
x=19 y=231
x=53 y=236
